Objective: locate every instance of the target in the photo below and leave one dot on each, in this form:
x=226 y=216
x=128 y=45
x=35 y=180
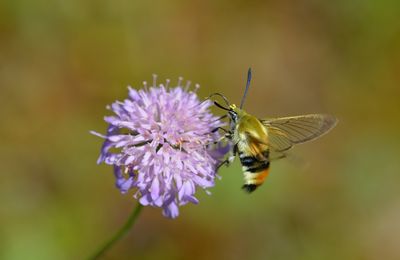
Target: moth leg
x=227 y=134
x=219 y=139
x=222 y=117
x=227 y=161
x=232 y=154
x=235 y=150
x=230 y=158
x=220 y=128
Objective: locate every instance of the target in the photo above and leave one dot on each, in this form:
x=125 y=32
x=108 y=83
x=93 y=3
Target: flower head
x=159 y=141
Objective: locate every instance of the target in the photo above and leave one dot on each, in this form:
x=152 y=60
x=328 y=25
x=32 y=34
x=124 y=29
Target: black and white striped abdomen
x=255 y=170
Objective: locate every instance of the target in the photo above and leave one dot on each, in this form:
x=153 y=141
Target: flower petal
x=155 y=188
x=171 y=211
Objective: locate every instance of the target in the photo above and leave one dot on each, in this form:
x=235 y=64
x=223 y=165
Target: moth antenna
x=247 y=88
x=219 y=105
x=220 y=95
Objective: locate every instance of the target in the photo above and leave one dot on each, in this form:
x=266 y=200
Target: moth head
x=233 y=112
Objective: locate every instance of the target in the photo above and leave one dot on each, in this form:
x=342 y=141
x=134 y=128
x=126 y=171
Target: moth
x=256 y=141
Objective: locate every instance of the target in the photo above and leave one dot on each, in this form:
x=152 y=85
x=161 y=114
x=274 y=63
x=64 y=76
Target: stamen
x=187 y=85
x=154 y=80
x=179 y=81
x=167 y=83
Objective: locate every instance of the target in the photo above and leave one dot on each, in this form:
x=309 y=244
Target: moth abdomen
x=255 y=170
x=247 y=161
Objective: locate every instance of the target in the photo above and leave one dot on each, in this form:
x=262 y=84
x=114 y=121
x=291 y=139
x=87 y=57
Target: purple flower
x=160 y=142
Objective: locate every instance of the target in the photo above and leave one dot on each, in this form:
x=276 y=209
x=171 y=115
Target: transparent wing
x=285 y=132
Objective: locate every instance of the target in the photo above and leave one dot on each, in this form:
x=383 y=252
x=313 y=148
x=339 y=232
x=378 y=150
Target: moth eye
x=233 y=115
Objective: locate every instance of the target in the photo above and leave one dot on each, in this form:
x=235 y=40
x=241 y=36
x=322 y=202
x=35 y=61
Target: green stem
x=122 y=232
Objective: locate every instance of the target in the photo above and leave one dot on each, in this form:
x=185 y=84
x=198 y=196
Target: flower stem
x=122 y=232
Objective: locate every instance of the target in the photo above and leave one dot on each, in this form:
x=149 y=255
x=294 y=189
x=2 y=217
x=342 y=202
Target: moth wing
x=285 y=132
x=257 y=148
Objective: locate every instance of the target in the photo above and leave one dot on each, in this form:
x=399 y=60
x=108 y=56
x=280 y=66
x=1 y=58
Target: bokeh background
x=62 y=62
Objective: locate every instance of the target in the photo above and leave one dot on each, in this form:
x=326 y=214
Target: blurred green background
x=61 y=62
